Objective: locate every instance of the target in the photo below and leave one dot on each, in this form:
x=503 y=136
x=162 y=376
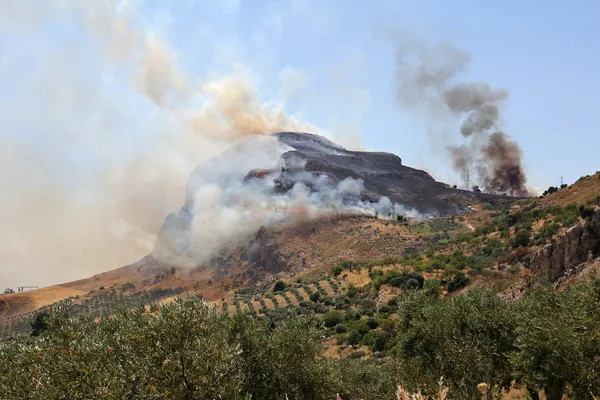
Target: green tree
x=39 y=324
x=522 y=239
x=279 y=286
x=557 y=348
x=332 y=318
x=466 y=339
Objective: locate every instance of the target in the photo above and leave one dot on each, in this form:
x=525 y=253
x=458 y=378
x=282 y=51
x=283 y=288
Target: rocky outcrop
x=580 y=244
x=292 y=160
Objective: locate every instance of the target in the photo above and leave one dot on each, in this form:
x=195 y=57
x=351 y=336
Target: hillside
x=291 y=170
x=492 y=246
x=391 y=297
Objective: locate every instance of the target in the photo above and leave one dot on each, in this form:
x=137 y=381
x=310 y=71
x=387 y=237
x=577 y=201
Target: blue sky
x=94 y=163
x=547 y=54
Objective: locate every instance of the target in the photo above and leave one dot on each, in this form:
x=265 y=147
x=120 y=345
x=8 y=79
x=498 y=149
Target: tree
x=465 y=339
x=476 y=189
x=556 y=344
x=332 y=318
x=279 y=286
x=522 y=239
x=40 y=324
x=550 y=190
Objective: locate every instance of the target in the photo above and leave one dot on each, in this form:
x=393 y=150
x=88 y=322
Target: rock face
x=581 y=243
x=290 y=158
x=383 y=174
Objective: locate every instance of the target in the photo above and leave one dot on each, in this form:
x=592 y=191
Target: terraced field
x=95 y=305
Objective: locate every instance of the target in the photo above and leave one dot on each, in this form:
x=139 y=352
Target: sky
x=547 y=54
x=107 y=106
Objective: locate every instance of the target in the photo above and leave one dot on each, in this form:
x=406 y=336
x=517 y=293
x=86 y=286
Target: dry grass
x=281 y=300
x=403 y=394
x=585 y=190
x=303 y=293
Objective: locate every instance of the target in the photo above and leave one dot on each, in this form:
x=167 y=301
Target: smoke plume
x=105 y=132
x=100 y=133
x=427 y=82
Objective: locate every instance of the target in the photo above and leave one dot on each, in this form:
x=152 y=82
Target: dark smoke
x=426 y=81
x=505 y=174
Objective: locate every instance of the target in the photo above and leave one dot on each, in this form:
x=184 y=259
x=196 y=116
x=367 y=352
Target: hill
x=430 y=294
x=493 y=246
x=310 y=173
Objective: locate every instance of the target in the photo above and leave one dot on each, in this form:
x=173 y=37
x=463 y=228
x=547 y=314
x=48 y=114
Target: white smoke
x=101 y=127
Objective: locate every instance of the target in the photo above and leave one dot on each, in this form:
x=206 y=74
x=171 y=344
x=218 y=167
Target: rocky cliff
x=580 y=244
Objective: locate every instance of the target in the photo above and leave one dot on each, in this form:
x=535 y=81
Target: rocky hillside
x=505 y=246
x=356 y=179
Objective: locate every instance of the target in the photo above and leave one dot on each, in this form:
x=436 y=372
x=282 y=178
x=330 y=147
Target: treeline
x=185 y=350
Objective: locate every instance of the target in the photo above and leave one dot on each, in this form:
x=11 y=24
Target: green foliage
x=586 y=212
x=548 y=340
x=341 y=328
x=314 y=297
x=354 y=338
x=279 y=286
x=332 y=318
x=550 y=190
x=514 y=270
x=372 y=323
x=366 y=379
x=356 y=354
x=337 y=269
x=522 y=239
x=396 y=278
x=459 y=281
x=557 y=344
x=181 y=350
x=40 y=324
x=466 y=339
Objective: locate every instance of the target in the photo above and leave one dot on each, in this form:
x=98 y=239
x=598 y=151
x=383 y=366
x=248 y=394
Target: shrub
x=458 y=282
x=336 y=270
x=279 y=286
x=372 y=323
x=315 y=296
x=586 y=212
x=332 y=318
x=514 y=270
x=40 y=323
x=354 y=338
x=341 y=328
x=356 y=354
x=352 y=291
x=522 y=239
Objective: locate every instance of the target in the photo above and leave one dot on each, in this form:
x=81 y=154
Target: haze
x=108 y=106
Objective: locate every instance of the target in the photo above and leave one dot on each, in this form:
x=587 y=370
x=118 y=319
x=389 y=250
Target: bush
x=279 y=286
x=522 y=239
x=200 y=356
x=40 y=323
x=340 y=328
x=332 y=318
x=458 y=282
x=354 y=338
x=514 y=270
x=314 y=297
x=372 y=323
x=336 y=270
x=356 y=354
x=586 y=212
